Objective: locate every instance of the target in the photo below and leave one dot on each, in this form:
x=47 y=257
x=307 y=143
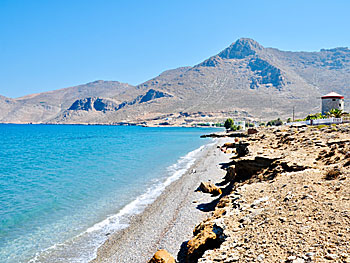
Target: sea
x=65 y=188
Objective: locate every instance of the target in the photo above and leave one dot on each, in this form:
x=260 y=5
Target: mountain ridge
x=244 y=77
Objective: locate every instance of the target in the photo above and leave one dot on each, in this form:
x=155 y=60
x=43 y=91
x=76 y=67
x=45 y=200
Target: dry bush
x=332 y=174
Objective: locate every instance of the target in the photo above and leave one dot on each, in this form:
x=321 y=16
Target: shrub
x=321 y=126
x=314 y=116
x=277 y=122
x=228 y=123
x=332 y=174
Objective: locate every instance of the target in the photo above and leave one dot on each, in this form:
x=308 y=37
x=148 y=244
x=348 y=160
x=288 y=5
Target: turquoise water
x=64 y=188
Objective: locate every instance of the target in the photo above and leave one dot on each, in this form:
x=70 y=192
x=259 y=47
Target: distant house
x=240 y=123
x=332 y=100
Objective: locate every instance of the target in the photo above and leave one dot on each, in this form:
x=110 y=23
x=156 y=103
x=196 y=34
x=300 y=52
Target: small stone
x=233 y=258
x=331 y=256
x=261 y=258
x=162 y=256
x=310 y=254
x=307 y=197
x=282 y=219
x=344 y=255
x=291 y=258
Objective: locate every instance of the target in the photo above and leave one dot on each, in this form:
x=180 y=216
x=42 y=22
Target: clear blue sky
x=47 y=45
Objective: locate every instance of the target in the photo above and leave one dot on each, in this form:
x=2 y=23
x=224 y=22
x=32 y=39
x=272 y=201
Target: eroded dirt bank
x=288 y=200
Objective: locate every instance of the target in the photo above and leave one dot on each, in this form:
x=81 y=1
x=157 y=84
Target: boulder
x=252 y=131
x=230 y=174
x=162 y=256
x=207 y=235
x=242 y=149
x=209 y=188
x=229 y=145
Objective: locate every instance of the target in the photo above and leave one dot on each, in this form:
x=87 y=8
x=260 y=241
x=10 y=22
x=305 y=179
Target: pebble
x=310 y=254
x=261 y=258
x=232 y=258
x=282 y=219
x=291 y=258
x=331 y=256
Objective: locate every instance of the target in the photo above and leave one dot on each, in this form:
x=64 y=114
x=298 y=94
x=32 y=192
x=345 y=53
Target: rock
x=282 y=219
x=294 y=259
x=229 y=145
x=162 y=256
x=245 y=169
x=310 y=254
x=288 y=197
x=207 y=235
x=260 y=258
x=252 y=131
x=210 y=188
x=242 y=149
x=331 y=256
x=332 y=174
x=233 y=258
x=230 y=174
x=260 y=200
x=291 y=258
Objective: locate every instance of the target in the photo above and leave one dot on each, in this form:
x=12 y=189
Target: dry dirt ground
x=290 y=200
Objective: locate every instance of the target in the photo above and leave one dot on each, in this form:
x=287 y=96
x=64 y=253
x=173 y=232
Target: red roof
x=332 y=95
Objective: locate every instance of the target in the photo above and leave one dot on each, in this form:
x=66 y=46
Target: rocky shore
x=169 y=221
x=286 y=200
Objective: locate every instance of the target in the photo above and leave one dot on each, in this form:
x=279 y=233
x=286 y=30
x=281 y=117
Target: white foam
x=116 y=222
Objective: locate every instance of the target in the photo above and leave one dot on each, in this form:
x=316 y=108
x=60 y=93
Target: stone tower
x=332 y=100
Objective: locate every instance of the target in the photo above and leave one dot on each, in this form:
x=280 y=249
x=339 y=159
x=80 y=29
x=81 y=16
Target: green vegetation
x=236 y=127
x=336 y=113
x=289 y=120
x=315 y=116
x=277 y=122
x=321 y=126
x=228 y=123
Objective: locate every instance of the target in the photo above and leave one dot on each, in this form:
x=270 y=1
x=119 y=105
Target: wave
x=83 y=247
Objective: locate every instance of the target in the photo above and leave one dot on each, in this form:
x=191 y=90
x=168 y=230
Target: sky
x=48 y=45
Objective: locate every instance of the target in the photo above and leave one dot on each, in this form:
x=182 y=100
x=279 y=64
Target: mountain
x=245 y=80
x=45 y=106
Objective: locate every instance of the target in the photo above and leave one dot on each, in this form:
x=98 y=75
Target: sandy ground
x=170 y=220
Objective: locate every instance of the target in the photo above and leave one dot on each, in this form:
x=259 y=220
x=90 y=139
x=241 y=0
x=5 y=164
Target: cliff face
x=245 y=77
x=97 y=104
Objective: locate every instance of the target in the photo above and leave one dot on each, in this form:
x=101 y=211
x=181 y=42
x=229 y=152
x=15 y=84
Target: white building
x=240 y=123
x=332 y=100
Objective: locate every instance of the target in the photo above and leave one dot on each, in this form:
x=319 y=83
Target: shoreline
x=95 y=236
x=169 y=220
x=110 y=124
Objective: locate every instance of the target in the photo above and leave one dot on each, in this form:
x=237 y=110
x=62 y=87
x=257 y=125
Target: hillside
x=245 y=80
x=42 y=107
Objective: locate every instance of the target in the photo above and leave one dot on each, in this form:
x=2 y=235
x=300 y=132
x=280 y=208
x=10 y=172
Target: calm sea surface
x=64 y=188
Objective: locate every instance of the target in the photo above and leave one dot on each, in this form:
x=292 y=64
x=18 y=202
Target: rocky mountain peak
x=337 y=49
x=242 y=48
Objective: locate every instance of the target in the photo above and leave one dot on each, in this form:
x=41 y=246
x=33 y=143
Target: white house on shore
x=332 y=100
